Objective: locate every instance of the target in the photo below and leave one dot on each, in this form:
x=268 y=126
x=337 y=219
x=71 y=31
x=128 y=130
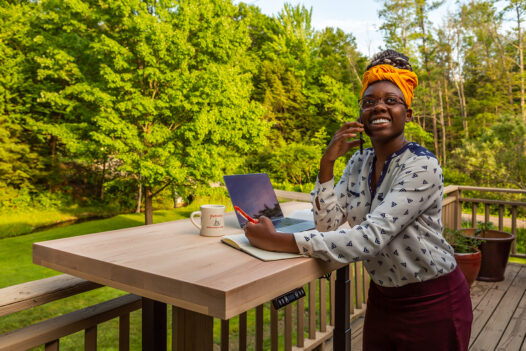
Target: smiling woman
x=391 y=197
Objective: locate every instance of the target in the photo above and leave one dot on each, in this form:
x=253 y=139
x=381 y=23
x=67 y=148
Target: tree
x=519 y=8
x=18 y=163
x=178 y=109
x=398 y=25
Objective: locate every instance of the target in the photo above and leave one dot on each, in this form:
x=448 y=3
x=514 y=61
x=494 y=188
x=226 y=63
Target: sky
x=358 y=17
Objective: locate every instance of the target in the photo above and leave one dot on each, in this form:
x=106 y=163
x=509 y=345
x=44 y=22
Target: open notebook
x=240 y=242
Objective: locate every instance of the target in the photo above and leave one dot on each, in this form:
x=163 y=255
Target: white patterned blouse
x=396 y=230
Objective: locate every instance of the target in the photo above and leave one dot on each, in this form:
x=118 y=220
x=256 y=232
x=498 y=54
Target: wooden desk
x=171 y=263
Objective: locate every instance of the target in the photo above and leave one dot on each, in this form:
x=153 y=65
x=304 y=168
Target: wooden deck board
x=499 y=314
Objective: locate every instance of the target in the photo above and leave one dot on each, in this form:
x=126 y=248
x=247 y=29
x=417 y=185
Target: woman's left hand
x=264 y=236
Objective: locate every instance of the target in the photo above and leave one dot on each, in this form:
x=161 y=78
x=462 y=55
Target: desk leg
x=153 y=325
x=342 y=318
x=192 y=331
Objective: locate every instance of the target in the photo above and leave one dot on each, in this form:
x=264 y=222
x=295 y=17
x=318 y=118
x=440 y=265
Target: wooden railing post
x=90 y=338
x=124 y=332
x=52 y=345
x=273 y=328
x=458 y=211
x=312 y=310
x=225 y=336
x=474 y=215
x=514 y=229
x=259 y=328
x=288 y=327
x=243 y=331
x=323 y=305
x=300 y=322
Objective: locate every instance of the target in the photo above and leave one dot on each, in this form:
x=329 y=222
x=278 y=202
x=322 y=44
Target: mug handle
x=193 y=220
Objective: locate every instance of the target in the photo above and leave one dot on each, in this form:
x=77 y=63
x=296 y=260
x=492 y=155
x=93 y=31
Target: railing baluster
x=52 y=345
x=359 y=285
x=323 y=304
x=288 y=327
x=352 y=287
x=273 y=328
x=501 y=217
x=300 y=322
x=124 y=332
x=474 y=215
x=225 y=335
x=259 y=328
x=458 y=210
x=332 y=285
x=312 y=310
x=514 y=229
x=486 y=213
x=90 y=338
x=243 y=331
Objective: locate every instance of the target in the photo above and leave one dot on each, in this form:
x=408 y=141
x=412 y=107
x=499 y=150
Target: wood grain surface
x=170 y=262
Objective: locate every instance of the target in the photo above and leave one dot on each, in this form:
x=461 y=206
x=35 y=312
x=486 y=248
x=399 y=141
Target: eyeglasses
x=370 y=102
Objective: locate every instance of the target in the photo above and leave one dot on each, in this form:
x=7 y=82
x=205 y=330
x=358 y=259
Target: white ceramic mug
x=212 y=220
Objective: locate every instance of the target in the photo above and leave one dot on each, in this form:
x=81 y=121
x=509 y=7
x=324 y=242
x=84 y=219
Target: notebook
x=240 y=242
x=254 y=194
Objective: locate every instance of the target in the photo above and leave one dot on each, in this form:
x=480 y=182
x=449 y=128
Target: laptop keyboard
x=285 y=222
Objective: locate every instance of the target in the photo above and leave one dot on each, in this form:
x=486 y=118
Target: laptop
x=254 y=194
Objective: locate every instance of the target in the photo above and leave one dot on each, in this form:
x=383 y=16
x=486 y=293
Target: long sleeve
x=333 y=201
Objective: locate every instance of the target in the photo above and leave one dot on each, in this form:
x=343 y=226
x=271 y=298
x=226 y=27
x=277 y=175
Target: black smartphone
x=361 y=137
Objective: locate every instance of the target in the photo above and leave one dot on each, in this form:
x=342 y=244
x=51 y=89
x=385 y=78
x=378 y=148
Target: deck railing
x=306 y=324
x=452 y=209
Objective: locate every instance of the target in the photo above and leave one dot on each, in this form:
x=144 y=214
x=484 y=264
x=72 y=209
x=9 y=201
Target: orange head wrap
x=405 y=80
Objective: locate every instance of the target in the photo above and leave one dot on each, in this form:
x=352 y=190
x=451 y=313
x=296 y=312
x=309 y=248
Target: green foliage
x=414 y=132
x=459 y=242
x=482 y=227
x=498 y=157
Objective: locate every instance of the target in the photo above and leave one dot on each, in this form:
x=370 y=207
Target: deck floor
x=499 y=314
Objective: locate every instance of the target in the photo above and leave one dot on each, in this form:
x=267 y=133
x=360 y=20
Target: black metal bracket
x=288 y=297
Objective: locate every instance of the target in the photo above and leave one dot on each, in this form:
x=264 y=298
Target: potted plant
x=467 y=255
x=495 y=248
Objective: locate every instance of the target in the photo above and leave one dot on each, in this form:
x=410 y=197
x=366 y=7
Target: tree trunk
x=446 y=95
x=442 y=125
x=459 y=84
x=464 y=111
x=102 y=179
x=435 y=132
x=53 y=153
x=148 y=208
x=139 y=198
x=521 y=62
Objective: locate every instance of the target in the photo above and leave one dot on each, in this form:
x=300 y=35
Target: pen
x=247 y=217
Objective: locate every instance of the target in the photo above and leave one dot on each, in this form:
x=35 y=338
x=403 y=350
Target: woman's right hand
x=338 y=147
x=339 y=144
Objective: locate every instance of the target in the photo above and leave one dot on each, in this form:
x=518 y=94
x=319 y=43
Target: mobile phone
x=361 y=137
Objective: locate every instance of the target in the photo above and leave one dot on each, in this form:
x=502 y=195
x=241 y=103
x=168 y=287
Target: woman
x=391 y=196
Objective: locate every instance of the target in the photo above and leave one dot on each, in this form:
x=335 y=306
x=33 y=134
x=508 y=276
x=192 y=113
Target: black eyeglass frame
x=397 y=101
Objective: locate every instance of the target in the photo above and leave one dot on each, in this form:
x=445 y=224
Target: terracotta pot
x=495 y=248
x=469 y=264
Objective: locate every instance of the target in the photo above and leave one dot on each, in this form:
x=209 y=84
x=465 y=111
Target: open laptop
x=254 y=194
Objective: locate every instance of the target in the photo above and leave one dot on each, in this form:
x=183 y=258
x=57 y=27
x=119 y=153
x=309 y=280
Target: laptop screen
x=253 y=193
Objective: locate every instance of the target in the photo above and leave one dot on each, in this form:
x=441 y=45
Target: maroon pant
x=432 y=315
